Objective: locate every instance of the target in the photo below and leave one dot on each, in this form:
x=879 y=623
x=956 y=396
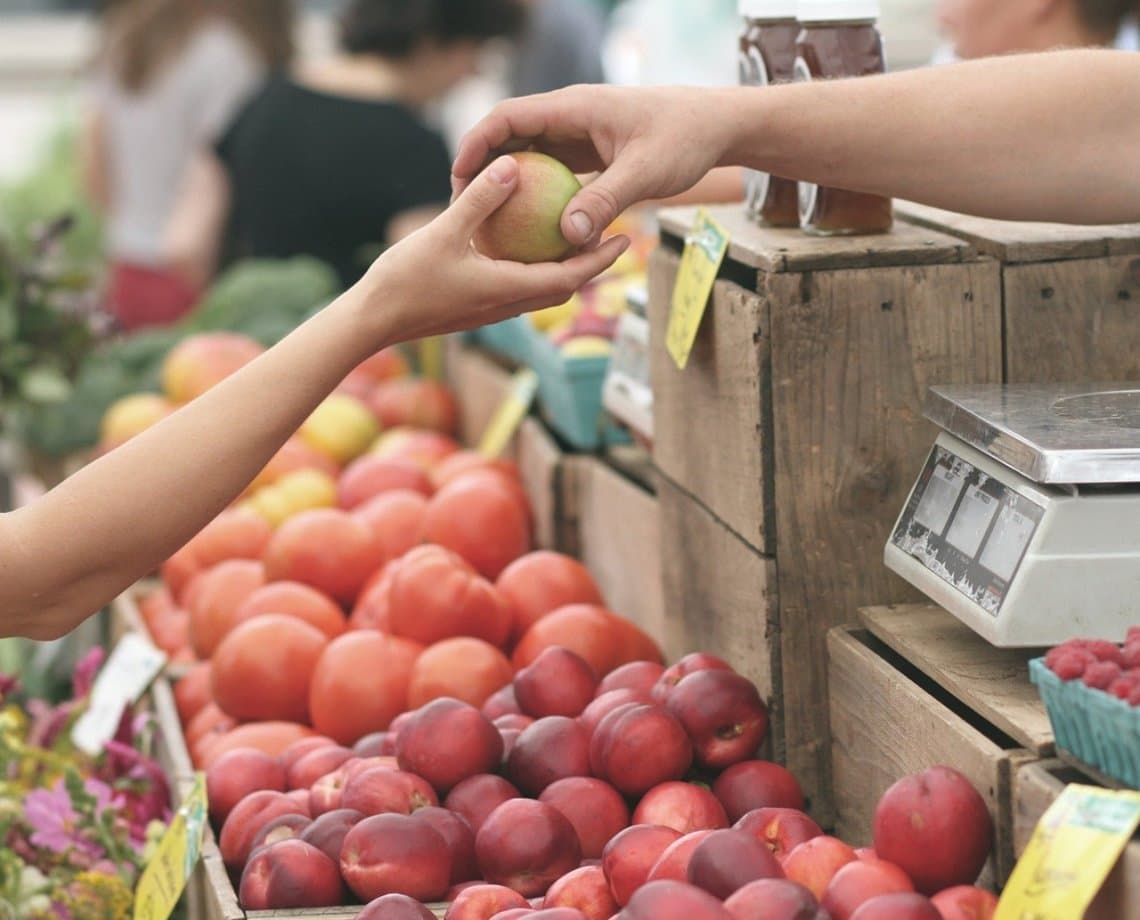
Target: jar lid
x=768 y=9
x=836 y=10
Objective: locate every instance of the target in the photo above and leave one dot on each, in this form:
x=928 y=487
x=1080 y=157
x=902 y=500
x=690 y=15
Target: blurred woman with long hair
x=168 y=77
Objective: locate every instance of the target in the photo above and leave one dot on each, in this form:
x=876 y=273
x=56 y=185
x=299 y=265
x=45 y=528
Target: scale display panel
x=968 y=528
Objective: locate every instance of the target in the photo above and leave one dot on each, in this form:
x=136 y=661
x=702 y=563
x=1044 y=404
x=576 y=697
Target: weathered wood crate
x=797 y=423
x=1035 y=787
x=914 y=688
x=1070 y=294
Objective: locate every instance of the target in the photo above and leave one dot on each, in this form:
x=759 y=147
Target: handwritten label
x=705 y=248
x=166 y=875
x=509 y=415
x=1072 y=851
x=133 y=664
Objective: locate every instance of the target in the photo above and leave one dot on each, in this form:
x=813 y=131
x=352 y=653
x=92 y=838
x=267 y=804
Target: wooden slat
x=1073 y=321
x=720 y=596
x=618 y=537
x=479 y=384
x=853 y=354
x=1027 y=241
x=540 y=465
x=993 y=682
x=773 y=250
x=885 y=726
x=712 y=421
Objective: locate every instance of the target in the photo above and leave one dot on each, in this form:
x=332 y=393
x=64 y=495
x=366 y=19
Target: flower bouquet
x=76 y=830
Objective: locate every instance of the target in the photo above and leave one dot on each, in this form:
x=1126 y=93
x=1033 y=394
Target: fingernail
x=502 y=170
x=582 y=224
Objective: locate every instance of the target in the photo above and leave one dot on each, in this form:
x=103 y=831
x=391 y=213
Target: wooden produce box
x=797 y=424
x=915 y=688
x=1035 y=787
x=1070 y=294
x=613 y=526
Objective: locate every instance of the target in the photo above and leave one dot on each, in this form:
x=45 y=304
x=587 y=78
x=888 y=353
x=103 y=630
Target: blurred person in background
x=168 y=76
x=336 y=160
x=560 y=46
x=984 y=28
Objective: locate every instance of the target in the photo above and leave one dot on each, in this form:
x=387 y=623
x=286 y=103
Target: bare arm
x=1035 y=137
x=194 y=232
x=95 y=169
x=67 y=554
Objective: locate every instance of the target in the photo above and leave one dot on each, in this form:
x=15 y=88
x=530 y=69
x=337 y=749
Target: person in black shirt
x=335 y=161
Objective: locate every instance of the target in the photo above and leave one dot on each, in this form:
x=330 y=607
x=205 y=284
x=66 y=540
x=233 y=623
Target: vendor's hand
x=434 y=281
x=646 y=144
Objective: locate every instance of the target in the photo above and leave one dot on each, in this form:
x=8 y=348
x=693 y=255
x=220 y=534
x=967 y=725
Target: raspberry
x=1122 y=687
x=1101 y=648
x=1134 y=696
x=1131 y=654
x=1100 y=674
x=1133 y=634
x=1071 y=664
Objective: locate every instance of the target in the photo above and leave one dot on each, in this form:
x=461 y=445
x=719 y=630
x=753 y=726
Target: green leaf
x=9 y=318
x=44 y=384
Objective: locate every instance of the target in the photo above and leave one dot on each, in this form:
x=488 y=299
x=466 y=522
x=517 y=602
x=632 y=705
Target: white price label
x=125 y=676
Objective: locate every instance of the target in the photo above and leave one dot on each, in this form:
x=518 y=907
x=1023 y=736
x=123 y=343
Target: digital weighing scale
x=1025 y=520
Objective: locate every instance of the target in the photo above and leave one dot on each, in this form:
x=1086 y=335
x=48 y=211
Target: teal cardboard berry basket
x=511 y=339
x=1091 y=725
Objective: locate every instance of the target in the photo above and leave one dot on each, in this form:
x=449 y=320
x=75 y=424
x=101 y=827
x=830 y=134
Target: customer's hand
x=645 y=143
x=434 y=281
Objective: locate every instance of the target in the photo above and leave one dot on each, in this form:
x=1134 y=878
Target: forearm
x=1042 y=137
x=67 y=555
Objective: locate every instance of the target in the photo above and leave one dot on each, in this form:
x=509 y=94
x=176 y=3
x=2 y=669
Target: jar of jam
x=839 y=38
x=768 y=55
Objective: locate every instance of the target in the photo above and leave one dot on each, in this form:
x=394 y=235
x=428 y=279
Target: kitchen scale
x=1025 y=520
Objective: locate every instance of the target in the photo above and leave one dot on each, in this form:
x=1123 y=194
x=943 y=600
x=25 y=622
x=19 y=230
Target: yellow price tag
x=1072 y=851
x=431 y=357
x=510 y=413
x=704 y=252
x=170 y=868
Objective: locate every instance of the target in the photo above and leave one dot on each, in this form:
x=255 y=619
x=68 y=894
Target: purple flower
x=54 y=822
x=86 y=670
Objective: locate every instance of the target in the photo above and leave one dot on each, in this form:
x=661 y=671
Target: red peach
x=476 y=797
x=638 y=747
x=966 y=902
x=460 y=840
x=631 y=855
x=557 y=683
x=727 y=860
x=395 y=854
x=513 y=720
x=667 y=900
x=753 y=784
x=301 y=747
x=776 y=898
x=526 y=845
x=674 y=862
x=935 y=826
x=382 y=791
x=685 y=807
x=782 y=829
x=288 y=874
x=859 y=881
x=248 y=817
x=639 y=676
x=395 y=907
x=586 y=889
x=723 y=715
x=595 y=808
x=906 y=906
x=814 y=863
x=328 y=831
x=605 y=703
x=690 y=664
x=553 y=748
x=448 y=741
x=283 y=827
x=377 y=744
x=502 y=703
x=304 y=800
x=481 y=902
x=312 y=766
x=236 y=774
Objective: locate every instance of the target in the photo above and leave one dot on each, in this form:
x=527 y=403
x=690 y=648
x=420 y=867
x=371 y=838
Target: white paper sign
x=125 y=676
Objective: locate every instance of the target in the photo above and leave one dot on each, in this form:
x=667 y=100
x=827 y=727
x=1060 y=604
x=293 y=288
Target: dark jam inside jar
x=774 y=53
x=829 y=50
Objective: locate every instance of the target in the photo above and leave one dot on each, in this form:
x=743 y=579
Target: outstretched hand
x=437 y=281
x=645 y=144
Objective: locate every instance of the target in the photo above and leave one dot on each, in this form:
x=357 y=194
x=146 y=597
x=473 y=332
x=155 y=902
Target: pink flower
x=86 y=670
x=55 y=822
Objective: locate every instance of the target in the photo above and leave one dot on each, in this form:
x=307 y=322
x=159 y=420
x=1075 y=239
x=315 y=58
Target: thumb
x=483 y=196
x=599 y=203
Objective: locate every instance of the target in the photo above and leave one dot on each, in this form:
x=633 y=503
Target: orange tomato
x=479 y=516
x=328 y=549
x=192 y=692
x=217 y=595
x=396 y=519
x=587 y=629
x=294 y=599
x=464 y=668
x=541 y=582
x=270 y=738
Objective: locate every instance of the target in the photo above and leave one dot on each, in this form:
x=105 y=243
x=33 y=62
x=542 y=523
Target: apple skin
x=527 y=226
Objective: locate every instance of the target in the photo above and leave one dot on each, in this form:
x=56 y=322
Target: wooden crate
x=613 y=525
x=888 y=719
x=1035 y=787
x=797 y=423
x=1071 y=294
